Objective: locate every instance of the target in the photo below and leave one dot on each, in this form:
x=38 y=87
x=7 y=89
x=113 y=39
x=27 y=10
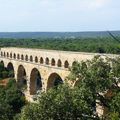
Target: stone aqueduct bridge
x=40 y=69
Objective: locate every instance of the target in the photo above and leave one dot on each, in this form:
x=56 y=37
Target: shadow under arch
x=21 y=77
x=54 y=80
x=35 y=81
x=10 y=69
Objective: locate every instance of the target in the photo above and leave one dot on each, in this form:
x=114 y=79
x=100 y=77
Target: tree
x=102 y=77
x=11 y=101
x=61 y=103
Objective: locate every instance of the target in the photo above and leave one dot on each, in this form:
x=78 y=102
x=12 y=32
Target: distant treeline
x=99 y=45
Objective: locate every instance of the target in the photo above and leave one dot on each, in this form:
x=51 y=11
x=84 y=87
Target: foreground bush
x=61 y=104
x=11 y=101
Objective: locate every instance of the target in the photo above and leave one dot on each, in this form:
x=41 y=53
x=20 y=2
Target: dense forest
x=90 y=34
x=99 y=45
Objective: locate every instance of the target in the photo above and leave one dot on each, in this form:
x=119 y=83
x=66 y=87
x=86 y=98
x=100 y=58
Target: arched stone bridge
x=41 y=69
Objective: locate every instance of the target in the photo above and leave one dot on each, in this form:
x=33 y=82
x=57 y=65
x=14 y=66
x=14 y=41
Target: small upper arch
x=31 y=58
x=4 y=54
x=53 y=62
x=1 y=53
x=22 y=57
x=36 y=59
x=41 y=60
x=74 y=63
x=59 y=63
x=10 y=55
x=7 y=54
x=14 y=56
x=18 y=56
x=26 y=57
x=47 y=61
x=66 y=64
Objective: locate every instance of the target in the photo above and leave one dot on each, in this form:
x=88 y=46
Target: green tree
x=62 y=103
x=101 y=76
x=11 y=101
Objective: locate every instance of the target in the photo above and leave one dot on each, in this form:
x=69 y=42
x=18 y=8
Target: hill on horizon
x=57 y=34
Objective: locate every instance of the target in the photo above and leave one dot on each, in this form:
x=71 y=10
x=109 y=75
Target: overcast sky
x=59 y=15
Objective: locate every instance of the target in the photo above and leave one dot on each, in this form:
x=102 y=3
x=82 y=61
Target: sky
x=59 y=15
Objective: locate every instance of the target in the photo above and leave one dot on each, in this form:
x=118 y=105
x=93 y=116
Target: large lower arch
x=10 y=69
x=21 y=77
x=35 y=81
x=54 y=80
x=2 y=64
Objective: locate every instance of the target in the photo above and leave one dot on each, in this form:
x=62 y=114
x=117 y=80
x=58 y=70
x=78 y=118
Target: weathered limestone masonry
x=48 y=65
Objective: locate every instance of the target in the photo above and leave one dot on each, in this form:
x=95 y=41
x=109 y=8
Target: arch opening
x=10 y=69
x=35 y=81
x=3 y=69
x=74 y=63
x=26 y=57
x=2 y=63
x=53 y=62
x=4 y=54
x=22 y=57
x=7 y=54
x=41 y=60
x=1 y=53
x=54 y=81
x=36 y=59
x=18 y=56
x=21 y=78
x=47 y=61
x=14 y=56
x=66 y=64
x=10 y=55
x=31 y=59
x=59 y=64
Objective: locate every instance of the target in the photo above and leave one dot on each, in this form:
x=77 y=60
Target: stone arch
x=47 y=61
x=31 y=58
x=66 y=64
x=36 y=59
x=22 y=57
x=18 y=56
x=10 y=69
x=59 y=63
x=53 y=62
x=10 y=55
x=1 y=53
x=26 y=57
x=14 y=56
x=35 y=81
x=41 y=60
x=7 y=54
x=2 y=63
x=54 y=80
x=74 y=63
x=21 y=77
x=4 y=54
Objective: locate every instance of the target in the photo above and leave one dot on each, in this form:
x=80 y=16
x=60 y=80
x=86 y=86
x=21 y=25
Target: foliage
x=11 y=101
x=4 y=72
x=99 y=44
x=102 y=77
x=61 y=103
